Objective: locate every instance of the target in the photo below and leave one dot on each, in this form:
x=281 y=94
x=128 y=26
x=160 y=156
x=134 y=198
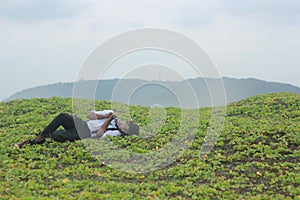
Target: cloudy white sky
x=47 y=41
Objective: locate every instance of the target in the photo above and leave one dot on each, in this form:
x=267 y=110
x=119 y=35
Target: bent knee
x=64 y=115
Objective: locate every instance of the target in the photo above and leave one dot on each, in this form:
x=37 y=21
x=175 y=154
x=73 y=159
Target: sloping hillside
x=257 y=155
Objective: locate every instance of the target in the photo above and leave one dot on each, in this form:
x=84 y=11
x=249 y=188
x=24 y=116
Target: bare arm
x=94 y=116
x=104 y=126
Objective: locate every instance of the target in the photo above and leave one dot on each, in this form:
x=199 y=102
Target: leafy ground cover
x=256 y=157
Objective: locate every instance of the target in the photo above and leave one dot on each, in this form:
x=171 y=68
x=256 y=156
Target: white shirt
x=94 y=125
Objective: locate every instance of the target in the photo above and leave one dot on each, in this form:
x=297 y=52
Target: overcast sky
x=47 y=41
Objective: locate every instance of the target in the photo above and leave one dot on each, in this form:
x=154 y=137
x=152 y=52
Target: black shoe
x=37 y=141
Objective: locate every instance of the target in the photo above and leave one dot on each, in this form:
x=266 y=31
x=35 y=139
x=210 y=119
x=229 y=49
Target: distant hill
x=148 y=93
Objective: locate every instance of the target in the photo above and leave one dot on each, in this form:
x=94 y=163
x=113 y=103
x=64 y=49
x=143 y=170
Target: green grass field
x=257 y=155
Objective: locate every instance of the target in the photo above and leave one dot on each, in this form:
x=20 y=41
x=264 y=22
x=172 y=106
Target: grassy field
x=257 y=155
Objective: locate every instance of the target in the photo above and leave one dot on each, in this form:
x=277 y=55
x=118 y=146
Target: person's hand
x=110 y=115
x=107 y=115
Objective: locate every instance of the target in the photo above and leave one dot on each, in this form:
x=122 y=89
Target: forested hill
x=160 y=92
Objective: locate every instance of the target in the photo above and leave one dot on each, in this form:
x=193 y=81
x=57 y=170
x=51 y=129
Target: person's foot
x=21 y=144
x=42 y=135
x=39 y=136
x=39 y=139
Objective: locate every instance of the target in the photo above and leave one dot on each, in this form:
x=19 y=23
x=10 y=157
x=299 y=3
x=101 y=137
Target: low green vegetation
x=257 y=155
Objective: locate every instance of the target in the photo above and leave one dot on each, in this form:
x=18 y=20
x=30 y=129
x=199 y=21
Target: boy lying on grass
x=100 y=124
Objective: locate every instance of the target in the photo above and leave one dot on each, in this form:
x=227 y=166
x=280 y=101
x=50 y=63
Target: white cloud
x=269 y=12
x=36 y=10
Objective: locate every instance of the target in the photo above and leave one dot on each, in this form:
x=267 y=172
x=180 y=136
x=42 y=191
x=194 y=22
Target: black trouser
x=74 y=129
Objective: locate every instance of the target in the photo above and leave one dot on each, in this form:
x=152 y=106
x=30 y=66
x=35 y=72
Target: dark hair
x=133 y=129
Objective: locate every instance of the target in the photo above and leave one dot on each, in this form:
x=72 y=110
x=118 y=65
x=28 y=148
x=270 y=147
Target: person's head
x=129 y=128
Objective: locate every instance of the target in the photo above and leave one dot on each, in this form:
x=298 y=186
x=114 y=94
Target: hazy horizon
x=46 y=42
